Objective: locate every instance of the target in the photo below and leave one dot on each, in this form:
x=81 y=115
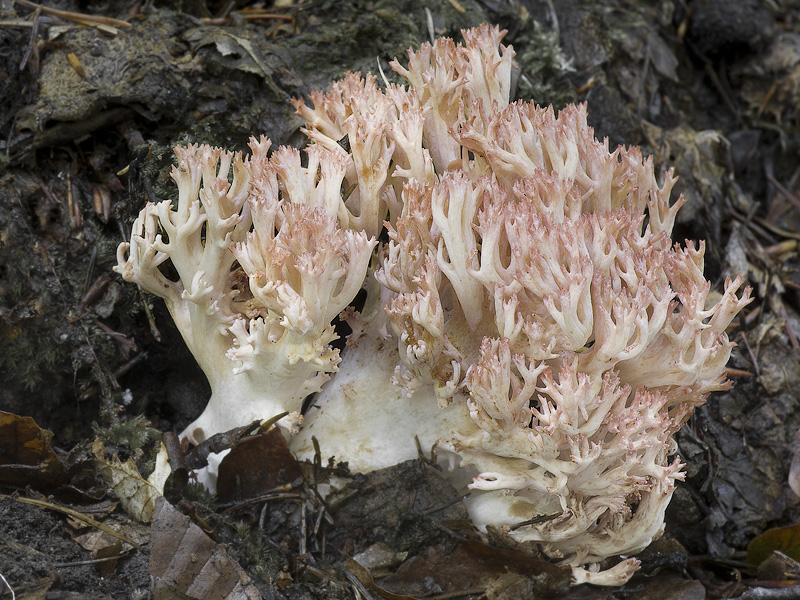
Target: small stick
x=789 y=332
x=81 y=18
x=74 y=513
x=749 y=351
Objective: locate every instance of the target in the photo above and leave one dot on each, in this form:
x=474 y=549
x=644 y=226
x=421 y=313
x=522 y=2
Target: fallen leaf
x=26 y=457
x=661 y=56
x=162 y=471
x=779 y=567
x=186 y=563
x=108 y=558
x=94 y=540
x=257 y=465
x=472 y=565
x=783 y=539
x=379 y=506
x=379 y=559
x=136 y=495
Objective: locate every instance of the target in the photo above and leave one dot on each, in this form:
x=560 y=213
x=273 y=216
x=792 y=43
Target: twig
x=732 y=373
x=73 y=513
x=359 y=587
x=8 y=585
x=784 y=192
x=535 y=520
x=781 y=247
x=126 y=367
x=767 y=97
x=429 y=21
x=554 y=19
x=721 y=89
x=303 y=529
x=32 y=49
x=460 y=9
x=750 y=351
x=747 y=221
x=318 y=522
x=107 y=24
x=458 y=593
x=792 y=284
x=761 y=593
x=246 y=17
x=789 y=332
x=229 y=506
x=91 y=561
x=774 y=229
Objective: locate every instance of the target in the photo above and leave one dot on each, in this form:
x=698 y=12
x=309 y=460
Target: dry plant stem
x=248 y=17
x=81 y=18
x=793 y=200
x=10 y=589
x=17 y=23
x=73 y=513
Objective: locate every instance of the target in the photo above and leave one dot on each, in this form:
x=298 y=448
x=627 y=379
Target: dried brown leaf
x=136 y=495
x=186 y=563
x=782 y=539
x=26 y=457
x=473 y=565
x=257 y=465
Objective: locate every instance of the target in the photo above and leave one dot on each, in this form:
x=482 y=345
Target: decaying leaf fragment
x=136 y=494
x=186 y=563
x=257 y=465
x=26 y=457
x=469 y=568
x=782 y=539
x=105 y=549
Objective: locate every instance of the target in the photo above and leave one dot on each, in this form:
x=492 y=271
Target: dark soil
x=87 y=122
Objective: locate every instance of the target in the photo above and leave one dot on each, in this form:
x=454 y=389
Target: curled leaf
x=136 y=495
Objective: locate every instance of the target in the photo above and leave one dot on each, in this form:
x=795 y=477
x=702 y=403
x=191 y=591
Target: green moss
x=130 y=433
